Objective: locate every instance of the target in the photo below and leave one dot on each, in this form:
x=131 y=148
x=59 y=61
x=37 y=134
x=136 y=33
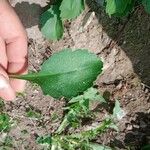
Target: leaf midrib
x=45 y=74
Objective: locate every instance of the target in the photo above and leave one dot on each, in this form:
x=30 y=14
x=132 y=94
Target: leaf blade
x=146 y=4
x=51 y=24
x=117 y=7
x=95 y=146
x=70 y=9
x=67 y=73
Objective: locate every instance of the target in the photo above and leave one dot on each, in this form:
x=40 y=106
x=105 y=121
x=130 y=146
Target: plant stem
x=91 y=134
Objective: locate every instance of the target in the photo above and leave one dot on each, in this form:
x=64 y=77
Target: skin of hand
x=13 y=51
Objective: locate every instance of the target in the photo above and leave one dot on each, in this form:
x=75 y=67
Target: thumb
x=6 y=91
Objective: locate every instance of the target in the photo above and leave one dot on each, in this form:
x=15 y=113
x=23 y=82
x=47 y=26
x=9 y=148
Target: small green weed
x=76 y=110
x=54 y=117
x=31 y=113
x=5 y=122
x=78 y=107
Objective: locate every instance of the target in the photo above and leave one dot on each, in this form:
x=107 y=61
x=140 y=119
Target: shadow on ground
x=28 y=13
x=138 y=137
x=140 y=132
x=132 y=35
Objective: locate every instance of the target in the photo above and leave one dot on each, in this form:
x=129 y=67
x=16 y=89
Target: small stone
x=146 y=91
x=136 y=126
x=129 y=127
x=119 y=86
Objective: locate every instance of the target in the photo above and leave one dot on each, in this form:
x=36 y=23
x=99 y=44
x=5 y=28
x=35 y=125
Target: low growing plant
x=5 y=122
x=62 y=139
x=52 y=19
x=122 y=8
x=67 y=74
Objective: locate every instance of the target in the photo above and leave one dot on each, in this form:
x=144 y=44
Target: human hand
x=13 y=51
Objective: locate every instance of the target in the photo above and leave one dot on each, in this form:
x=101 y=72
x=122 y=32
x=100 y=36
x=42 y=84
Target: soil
x=123 y=45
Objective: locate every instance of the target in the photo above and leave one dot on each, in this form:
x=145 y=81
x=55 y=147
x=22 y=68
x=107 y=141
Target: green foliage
x=124 y=7
x=78 y=107
x=70 y=9
x=54 y=117
x=146 y=4
x=67 y=73
x=82 y=140
x=33 y=113
x=116 y=6
x=52 y=20
x=99 y=147
x=118 y=113
x=46 y=140
x=119 y=7
x=5 y=122
x=79 y=140
x=92 y=94
x=51 y=24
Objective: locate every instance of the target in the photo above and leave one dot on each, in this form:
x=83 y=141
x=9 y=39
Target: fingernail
x=6 y=91
x=3 y=83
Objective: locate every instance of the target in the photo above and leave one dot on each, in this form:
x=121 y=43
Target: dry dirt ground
x=124 y=46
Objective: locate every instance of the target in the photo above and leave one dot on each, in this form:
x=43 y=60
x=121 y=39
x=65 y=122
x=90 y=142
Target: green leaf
x=79 y=108
x=91 y=134
x=5 y=123
x=82 y=139
x=114 y=126
x=128 y=9
x=99 y=147
x=33 y=114
x=51 y=24
x=44 y=140
x=67 y=73
x=146 y=4
x=91 y=94
x=70 y=9
x=54 y=147
x=110 y=7
x=117 y=6
x=118 y=113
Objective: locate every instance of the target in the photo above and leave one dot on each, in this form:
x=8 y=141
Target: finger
x=3 y=57
x=17 y=61
x=6 y=91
